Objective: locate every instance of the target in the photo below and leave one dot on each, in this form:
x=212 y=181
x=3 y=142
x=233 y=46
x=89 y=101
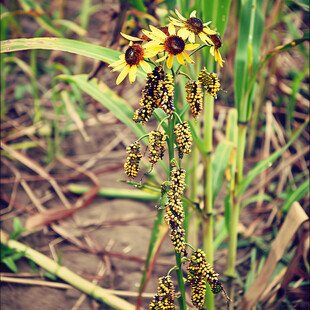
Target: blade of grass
x=41 y=18
x=243 y=185
x=108 y=98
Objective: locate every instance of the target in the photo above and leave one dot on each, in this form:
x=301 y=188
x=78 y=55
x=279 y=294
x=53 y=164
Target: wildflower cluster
x=171 y=44
x=199 y=273
x=164 y=300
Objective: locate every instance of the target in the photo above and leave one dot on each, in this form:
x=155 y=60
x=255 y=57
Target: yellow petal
x=162 y=58
x=193 y=14
x=179 y=15
x=122 y=75
x=117 y=63
x=158 y=32
x=208 y=31
x=171 y=29
x=119 y=67
x=205 y=39
x=152 y=36
x=130 y=38
x=180 y=59
x=176 y=22
x=191 y=37
x=170 y=61
x=187 y=58
x=156 y=48
x=132 y=73
x=212 y=50
x=145 y=66
x=218 y=57
x=183 y=33
x=189 y=47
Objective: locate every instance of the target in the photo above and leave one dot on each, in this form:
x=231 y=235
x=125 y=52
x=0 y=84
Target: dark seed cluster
x=151 y=95
x=194 y=97
x=176 y=182
x=183 y=138
x=210 y=82
x=158 y=93
x=200 y=272
x=167 y=95
x=164 y=300
x=132 y=164
x=157 y=141
x=174 y=209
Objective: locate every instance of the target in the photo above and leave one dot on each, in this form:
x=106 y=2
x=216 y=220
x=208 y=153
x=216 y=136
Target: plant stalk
x=208 y=204
x=179 y=273
x=67 y=275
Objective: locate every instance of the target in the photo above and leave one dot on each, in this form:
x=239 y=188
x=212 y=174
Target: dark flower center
x=216 y=40
x=174 y=45
x=134 y=54
x=194 y=24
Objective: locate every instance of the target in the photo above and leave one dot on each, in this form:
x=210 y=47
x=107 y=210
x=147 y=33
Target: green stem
x=179 y=273
x=235 y=203
x=208 y=204
x=242 y=130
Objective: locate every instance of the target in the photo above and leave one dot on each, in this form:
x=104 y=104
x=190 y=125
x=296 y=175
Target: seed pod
x=165 y=295
x=194 y=97
x=183 y=138
x=157 y=141
x=132 y=164
x=210 y=82
x=176 y=182
x=167 y=96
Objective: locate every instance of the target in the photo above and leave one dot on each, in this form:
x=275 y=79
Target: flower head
x=191 y=27
x=130 y=61
x=171 y=44
x=214 y=50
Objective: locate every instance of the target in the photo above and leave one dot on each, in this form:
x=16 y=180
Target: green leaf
x=42 y=19
x=59 y=44
x=296 y=195
x=9 y=262
x=107 y=97
x=217 y=12
x=138 y=5
x=267 y=162
x=220 y=162
x=247 y=54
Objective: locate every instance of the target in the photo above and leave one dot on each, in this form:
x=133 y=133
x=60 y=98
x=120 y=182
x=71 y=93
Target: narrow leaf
x=220 y=162
x=267 y=162
x=107 y=97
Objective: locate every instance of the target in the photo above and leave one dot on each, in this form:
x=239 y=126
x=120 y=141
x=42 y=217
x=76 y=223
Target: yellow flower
x=191 y=27
x=129 y=61
x=214 y=50
x=170 y=43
